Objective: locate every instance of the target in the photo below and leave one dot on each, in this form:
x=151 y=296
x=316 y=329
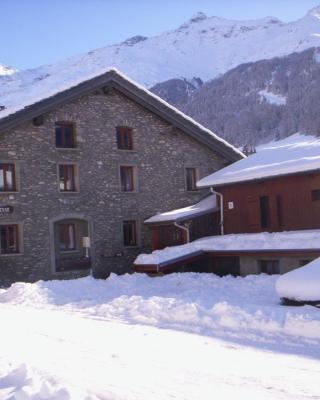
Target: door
x=72 y=250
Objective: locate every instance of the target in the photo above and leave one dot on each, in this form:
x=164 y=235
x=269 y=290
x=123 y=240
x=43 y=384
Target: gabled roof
x=44 y=101
x=203 y=207
x=296 y=154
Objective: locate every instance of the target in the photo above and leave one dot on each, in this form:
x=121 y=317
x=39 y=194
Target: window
x=7 y=178
x=269 y=267
x=304 y=262
x=130 y=233
x=65 y=135
x=9 y=239
x=315 y=195
x=127 y=177
x=191 y=179
x=264 y=212
x=67 y=178
x=67 y=237
x=124 y=138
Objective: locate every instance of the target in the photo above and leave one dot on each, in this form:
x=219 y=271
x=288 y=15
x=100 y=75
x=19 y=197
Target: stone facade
x=160 y=155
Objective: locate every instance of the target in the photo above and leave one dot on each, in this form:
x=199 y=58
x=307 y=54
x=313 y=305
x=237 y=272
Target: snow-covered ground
x=182 y=336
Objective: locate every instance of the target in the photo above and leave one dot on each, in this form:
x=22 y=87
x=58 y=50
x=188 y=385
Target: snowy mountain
x=5 y=70
x=203 y=47
x=255 y=102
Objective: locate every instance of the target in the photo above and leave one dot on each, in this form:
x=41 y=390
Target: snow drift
x=302 y=284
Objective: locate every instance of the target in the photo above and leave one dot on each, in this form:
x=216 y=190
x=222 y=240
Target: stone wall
x=161 y=153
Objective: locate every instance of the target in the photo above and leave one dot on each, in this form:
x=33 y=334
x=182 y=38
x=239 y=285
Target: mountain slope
x=204 y=47
x=257 y=102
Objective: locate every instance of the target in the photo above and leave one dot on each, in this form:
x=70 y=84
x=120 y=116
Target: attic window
x=65 y=135
x=124 y=138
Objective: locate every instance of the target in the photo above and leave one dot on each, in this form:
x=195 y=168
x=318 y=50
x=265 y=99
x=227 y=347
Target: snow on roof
x=40 y=89
x=297 y=153
x=302 y=284
x=292 y=240
x=202 y=207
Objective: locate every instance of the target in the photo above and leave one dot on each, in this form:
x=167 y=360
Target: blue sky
x=35 y=32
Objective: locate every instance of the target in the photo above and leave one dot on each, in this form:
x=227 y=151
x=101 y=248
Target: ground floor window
x=67 y=237
x=9 y=239
x=130 y=233
x=270 y=267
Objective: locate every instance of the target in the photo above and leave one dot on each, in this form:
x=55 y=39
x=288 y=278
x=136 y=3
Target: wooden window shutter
x=253 y=213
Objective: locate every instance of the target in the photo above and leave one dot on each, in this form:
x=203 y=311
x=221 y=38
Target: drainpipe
x=221 y=209
x=184 y=229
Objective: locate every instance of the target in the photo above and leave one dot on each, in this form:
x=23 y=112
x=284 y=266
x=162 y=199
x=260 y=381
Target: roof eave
x=264 y=178
x=149 y=101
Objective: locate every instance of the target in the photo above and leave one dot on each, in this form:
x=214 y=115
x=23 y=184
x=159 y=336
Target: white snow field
x=182 y=336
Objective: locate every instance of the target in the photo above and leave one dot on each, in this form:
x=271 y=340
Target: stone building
x=82 y=169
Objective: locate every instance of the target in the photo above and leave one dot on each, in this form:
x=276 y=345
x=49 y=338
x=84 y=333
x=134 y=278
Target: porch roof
x=245 y=243
x=203 y=207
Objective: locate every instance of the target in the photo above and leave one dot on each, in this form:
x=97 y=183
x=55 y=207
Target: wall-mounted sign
x=230 y=205
x=4 y=210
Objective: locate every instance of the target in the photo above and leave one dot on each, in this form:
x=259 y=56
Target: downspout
x=221 y=209
x=184 y=229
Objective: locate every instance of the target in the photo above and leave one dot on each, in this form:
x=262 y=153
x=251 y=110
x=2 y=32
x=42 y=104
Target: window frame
x=275 y=264
x=18 y=239
x=69 y=250
x=134 y=178
x=14 y=177
x=63 y=126
x=315 y=195
x=74 y=180
x=134 y=224
x=195 y=178
x=124 y=138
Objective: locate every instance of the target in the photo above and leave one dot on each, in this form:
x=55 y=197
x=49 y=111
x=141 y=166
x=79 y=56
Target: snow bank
x=298 y=153
x=245 y=309
x=302 y=284
x=299 y=240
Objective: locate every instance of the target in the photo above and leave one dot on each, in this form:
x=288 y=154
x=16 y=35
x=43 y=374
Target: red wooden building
x=274 y=190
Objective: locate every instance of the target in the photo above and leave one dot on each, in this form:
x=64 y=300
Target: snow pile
x=204 y=206
x=302 y=284
x=121 y=338
x=292 y=240
x=239 y=308
x=272 y=98
x=297 y=153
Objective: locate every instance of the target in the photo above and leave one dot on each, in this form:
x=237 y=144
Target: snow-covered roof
x=205 y=206
x=278 y=241
x=302 y=284
x=295 y=154
x=44 y=95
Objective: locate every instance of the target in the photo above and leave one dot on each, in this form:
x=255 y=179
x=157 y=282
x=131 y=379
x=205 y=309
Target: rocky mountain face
x=256 y=102
x=6 y=70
